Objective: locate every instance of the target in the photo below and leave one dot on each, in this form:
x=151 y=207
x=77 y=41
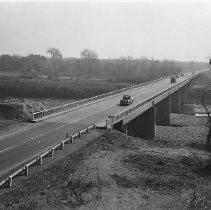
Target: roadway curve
x=18 y=148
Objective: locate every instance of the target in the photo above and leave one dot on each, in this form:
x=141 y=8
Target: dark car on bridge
x=173 y=79
x=126 y=100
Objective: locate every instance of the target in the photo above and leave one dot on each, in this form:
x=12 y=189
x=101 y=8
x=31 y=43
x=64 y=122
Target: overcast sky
x=180 y=31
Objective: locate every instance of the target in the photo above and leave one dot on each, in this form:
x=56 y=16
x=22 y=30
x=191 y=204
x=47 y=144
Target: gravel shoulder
x=116 y=171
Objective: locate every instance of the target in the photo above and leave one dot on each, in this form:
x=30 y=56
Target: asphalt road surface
x=19 y=147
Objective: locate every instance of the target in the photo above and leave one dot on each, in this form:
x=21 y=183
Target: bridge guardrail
x=112 y=119
x=39 y=158
x=60 y=109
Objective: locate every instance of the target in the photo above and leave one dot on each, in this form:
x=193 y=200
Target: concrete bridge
x=153 y=103
x=141 y=120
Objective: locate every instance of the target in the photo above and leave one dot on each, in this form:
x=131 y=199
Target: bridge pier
x=175 y=102
x=183 y=96
x=163 y=112
x=144 y=126
x=178 y=100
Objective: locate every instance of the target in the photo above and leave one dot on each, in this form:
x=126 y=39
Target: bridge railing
x=112 y=119
x=59 y=109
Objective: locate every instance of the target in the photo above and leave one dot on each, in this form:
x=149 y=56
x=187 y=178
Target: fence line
x=49 y=152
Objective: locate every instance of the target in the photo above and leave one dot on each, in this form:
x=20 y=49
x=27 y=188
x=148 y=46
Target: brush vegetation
x=43 y=88
x=58 y=77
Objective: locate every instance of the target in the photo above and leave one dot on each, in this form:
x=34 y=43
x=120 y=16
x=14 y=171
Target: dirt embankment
x=18 y=110
x=15 y=113
x=116 y=171
x=22 y=109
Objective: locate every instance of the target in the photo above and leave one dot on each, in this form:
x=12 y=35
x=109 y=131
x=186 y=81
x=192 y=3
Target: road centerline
x=6 y=149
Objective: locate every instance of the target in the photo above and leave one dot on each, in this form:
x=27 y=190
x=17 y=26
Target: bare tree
x=209 y=63
x=88 y=54
x=90 y=64
x=54 y=52
x=209 y=119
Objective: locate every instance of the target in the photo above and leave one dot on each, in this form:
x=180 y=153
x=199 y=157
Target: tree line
x=124 y=69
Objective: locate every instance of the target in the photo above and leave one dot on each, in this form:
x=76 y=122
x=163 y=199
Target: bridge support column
x=163 y=112
x=183 y=96
x=144 y=126
x=175 y=102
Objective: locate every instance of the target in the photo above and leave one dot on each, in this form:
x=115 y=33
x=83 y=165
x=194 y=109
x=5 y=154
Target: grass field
x=42 y=88
x=201 y=86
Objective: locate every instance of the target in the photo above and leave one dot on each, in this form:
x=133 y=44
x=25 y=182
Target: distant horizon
x=133 y=58
x=164 y=31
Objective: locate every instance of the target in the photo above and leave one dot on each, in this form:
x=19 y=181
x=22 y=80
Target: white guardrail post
x=40 y=160
x=71 y=140
x=10 y=181
x=52 y=152
x=62 y=145
x=26 y=170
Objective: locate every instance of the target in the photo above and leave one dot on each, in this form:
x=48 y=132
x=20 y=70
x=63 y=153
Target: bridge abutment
x=119 y=126
x=143 y=126
x=163 y=112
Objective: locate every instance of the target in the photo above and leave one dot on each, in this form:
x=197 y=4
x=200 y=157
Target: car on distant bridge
x=173 y=79
x=126 y=100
